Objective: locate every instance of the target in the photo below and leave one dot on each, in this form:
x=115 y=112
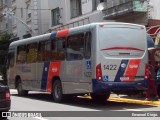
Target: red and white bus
x=97 y=58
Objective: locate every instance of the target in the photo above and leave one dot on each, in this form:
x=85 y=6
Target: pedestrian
x=152 y=84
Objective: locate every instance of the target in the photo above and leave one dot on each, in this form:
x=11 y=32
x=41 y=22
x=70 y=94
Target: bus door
x=75 y=59
x=87 y=58
x=123 y=52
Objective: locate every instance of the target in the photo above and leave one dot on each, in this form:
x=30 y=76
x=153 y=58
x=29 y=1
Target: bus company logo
x=123 y=65
x=133 y=66
x=54 y=69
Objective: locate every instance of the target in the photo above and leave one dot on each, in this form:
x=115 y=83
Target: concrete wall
x=155 y=9
x=20 y=28
x=64 y=5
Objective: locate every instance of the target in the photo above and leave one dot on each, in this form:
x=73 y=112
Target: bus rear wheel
x=20 y=90
x=100 y=97
x=57 y=91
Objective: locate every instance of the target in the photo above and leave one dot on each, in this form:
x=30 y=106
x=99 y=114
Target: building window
x=101 y=0
x=28 y=11
x=55 y=13
x=76 y=9
x=21 y=12
x=29 y=15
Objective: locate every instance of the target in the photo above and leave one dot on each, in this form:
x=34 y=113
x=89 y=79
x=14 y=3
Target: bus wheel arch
x=98 y=97
x=17 y=79
x=19 y=87
x=57 y=92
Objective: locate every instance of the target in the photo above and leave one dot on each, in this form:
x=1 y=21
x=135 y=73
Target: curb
x=143 y=102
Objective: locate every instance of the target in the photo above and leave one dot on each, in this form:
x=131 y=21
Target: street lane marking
x=40 y=118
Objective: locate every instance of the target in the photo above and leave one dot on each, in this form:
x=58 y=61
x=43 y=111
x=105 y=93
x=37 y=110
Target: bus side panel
x=54 y=70
x=27 y=73
x=42 y=74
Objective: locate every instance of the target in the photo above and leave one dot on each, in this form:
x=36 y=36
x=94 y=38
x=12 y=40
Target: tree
x=4 y=45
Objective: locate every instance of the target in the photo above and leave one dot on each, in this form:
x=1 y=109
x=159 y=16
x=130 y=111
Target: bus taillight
x=8 y=95
x=98 y=72
x=146 y=72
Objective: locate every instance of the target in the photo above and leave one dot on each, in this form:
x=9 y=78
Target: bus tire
x=100 y=97
x=158 y=90
x=20 y=90
x=57 y=91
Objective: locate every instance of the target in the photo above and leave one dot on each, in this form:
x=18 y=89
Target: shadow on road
x=88 y=103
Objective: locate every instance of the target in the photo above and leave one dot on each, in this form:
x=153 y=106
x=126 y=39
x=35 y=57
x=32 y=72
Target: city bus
x=95 y=59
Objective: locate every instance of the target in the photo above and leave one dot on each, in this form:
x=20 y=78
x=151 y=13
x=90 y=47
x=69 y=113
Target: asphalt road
x=38 y=102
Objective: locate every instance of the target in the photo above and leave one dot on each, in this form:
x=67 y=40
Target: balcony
x=128 y=8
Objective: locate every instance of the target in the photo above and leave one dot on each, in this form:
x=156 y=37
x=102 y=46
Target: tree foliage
x=4 y=45
x=4 y=40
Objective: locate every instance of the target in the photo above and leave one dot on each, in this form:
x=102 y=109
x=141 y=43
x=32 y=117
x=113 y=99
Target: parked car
x=5 y=101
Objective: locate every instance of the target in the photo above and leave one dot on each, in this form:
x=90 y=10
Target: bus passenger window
x=58 y=49
x=41 y=52
x=87 y=52
x=11 y=60
x=75 y=47
x=32 y=53
x=21 y=54
x=47 y=50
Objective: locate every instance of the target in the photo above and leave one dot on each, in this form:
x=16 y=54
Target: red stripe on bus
x=123 y=48
x=63 y=33
x=54 y=70
x=132 y=69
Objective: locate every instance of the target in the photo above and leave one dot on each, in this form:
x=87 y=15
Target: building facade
x=72 y=13
x=36 y=17
x=24 y=18
x=5 y=24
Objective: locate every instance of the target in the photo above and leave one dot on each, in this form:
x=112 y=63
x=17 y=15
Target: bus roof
x=71 y=31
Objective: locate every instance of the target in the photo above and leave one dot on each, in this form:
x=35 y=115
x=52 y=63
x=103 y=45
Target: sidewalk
x=133 y=99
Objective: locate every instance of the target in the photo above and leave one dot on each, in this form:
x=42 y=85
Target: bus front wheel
x=20 y=90
x=100 y=97
x=57 y=91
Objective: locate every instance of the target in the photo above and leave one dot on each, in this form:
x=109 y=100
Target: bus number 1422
x=110 y=67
